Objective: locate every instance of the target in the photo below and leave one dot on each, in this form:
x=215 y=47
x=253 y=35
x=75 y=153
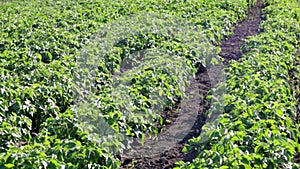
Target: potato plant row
x=257 y=127
x=40 y=45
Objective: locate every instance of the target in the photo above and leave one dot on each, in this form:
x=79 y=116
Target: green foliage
x=40 y=44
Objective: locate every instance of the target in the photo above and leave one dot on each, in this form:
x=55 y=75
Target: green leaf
x=9 y=165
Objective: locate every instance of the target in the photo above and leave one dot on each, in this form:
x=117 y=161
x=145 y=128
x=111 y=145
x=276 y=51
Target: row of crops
x=259 y=127
x=59 y=90
x=44 y=44
x=41 y=47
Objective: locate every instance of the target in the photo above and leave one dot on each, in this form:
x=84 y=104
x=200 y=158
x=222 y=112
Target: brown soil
x=248 y=27
x=230 y=50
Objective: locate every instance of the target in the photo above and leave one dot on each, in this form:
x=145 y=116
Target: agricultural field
x=150 y=84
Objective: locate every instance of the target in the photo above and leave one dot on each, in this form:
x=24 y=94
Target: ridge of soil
x=230 y=50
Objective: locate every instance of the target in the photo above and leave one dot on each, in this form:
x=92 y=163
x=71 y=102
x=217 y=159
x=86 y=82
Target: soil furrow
x=231 y=48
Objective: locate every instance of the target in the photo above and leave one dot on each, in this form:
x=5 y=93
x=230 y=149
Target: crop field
x=181 y=84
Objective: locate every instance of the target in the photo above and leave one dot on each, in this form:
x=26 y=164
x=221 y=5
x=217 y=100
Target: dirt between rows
x=230 y=50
